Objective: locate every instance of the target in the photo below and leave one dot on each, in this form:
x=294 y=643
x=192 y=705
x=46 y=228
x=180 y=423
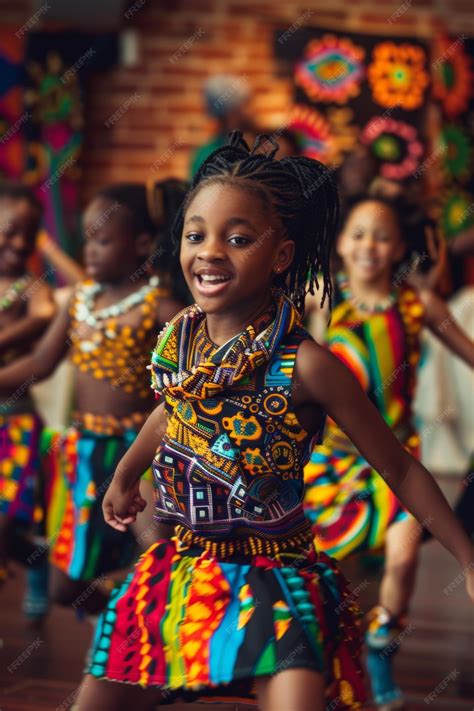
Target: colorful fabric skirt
x=198 y=626
x=348 y=504
x=19 y=464
x=79 y=466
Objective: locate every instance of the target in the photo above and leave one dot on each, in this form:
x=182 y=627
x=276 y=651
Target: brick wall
x=165 y=119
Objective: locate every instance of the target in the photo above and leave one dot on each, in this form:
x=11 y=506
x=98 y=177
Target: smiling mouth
x=211 y=284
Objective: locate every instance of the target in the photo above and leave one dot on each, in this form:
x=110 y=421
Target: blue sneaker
x=382 y=638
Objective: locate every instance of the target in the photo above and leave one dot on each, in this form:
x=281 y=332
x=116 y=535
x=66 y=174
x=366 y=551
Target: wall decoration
x=332 y=69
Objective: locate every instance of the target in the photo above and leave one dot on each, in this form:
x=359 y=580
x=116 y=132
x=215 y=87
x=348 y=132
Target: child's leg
x=401 y=560
x=291 y=690
x=113 y=696
x=385 y=632
x=66 y=591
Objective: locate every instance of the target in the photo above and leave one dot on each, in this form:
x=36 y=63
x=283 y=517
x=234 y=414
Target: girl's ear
x=143 y=244
x=284 y=256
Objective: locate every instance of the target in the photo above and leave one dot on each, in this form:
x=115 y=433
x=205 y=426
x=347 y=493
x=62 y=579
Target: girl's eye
x=194 y=237
x=238 y=240
x=357 y=235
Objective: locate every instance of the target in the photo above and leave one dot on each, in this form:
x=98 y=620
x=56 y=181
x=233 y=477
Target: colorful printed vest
x=232 y=465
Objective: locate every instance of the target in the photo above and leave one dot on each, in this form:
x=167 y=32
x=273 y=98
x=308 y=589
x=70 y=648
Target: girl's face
x=231 y=249
x=111 y=251
x=370 y=242
x=19 y=221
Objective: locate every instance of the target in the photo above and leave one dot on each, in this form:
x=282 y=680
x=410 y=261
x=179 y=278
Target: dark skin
x=112 y=257
x=222 y=236
x=29 y=316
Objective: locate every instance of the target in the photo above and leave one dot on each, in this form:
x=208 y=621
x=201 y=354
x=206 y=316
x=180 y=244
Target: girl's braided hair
x=302 y=193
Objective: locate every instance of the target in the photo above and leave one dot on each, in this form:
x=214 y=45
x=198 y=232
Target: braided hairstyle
x=300 y=191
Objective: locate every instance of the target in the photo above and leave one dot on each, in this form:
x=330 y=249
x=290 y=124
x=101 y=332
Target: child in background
x=374 y=330
x=26 y=309
x=107 y=330
x=240 y=602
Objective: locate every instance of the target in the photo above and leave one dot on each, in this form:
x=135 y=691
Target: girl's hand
x=121 y=506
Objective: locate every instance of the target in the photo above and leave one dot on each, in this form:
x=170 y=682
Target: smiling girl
x=375 y=331
x=107 y=330
x=239 y=602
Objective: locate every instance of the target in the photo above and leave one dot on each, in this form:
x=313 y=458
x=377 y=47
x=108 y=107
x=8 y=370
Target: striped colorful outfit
x=80 y=463
x=240 y=591
x=19 y=460
x=347 y=502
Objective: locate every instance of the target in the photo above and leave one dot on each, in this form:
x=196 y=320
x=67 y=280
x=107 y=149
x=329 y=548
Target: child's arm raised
x=122 y=501
x=321 y=379
x=43 y=360
x=442 y=324
x=40 y=309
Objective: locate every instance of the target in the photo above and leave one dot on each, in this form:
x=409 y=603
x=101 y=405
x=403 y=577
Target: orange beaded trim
x=109 y=424
x=248 y=546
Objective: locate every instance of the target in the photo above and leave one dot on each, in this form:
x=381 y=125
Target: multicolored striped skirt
x=19 y=464
x=348 y=504
x=198 y=626
x=79 y=466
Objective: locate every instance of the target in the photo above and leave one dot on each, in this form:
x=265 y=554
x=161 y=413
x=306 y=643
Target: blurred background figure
x=227 y=101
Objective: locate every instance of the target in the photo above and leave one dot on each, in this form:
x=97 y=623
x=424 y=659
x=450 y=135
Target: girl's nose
x=211 y=250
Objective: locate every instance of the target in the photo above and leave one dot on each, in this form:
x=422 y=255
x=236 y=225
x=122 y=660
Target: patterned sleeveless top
x=230 y=465
x=381 y=348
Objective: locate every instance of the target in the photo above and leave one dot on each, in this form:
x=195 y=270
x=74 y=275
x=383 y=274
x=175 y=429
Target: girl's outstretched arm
x=321 y=379
x=443 y=325
x=123 y=501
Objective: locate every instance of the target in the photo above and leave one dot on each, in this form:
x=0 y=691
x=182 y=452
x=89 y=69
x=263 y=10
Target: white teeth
x=213 y=277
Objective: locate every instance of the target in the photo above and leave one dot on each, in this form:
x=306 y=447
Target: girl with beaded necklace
x=239 y=602
x=108 y=330
x=374 y=330
x=26 y=308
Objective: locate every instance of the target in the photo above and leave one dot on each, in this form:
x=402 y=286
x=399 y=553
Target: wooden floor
x=438 y=651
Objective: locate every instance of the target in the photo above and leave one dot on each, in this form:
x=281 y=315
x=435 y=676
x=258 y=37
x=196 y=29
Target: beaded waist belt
x=109 y=424
x=300 y=540
x=334 y=438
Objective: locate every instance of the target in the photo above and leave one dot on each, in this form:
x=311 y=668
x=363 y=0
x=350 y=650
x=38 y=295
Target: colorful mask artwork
x=397 y=75
x=352 y=88
x=396 y=144
x=452 y=75
x=332 y=69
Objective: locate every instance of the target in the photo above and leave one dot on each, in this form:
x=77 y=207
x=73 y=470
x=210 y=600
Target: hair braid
x=301 y=192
